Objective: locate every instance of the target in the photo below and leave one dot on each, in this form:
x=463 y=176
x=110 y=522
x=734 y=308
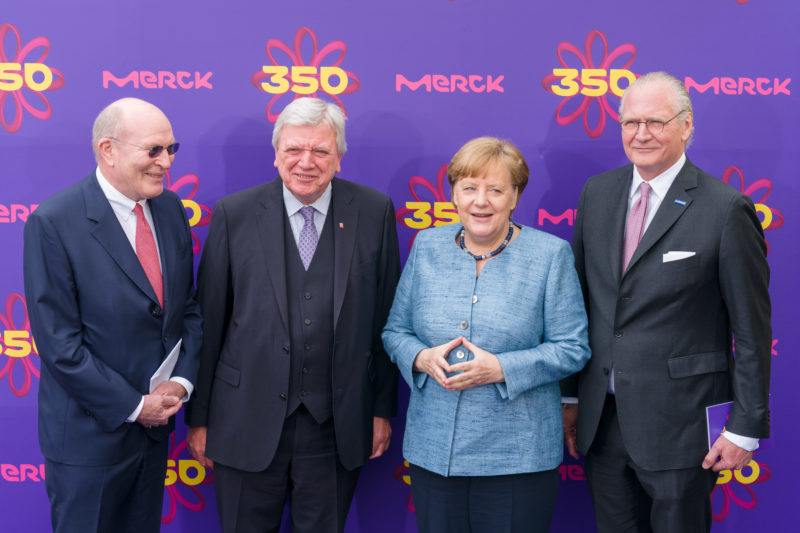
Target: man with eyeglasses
x=673 y=264
x=295 y=390
x=110 y=294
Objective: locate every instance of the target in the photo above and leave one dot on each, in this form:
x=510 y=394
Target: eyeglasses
x=653 y=126
x=153 y=151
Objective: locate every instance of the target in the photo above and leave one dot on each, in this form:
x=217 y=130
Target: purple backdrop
x=417 y=79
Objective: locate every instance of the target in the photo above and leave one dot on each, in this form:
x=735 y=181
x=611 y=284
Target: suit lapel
x=617 y=209
x=269 y=223
x=674 y=204
x=345 y=223
x=108 y=232
x=167 y=245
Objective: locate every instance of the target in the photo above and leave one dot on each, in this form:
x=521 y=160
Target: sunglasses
x=153 y=151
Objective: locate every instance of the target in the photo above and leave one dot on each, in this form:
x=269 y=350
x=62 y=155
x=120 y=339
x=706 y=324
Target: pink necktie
x=635 y=227
x=148 y=254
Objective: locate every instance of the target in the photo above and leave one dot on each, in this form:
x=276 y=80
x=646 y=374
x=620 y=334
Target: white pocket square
x=676 y=256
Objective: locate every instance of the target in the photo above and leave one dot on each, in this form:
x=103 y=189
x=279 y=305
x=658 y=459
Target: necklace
x=492 y=253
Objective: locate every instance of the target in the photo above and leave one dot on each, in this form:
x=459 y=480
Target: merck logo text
x=725 y=85
x=441 y=83
x=147 y=79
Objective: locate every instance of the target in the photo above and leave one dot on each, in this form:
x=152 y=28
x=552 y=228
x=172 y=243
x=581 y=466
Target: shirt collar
x=661 y=183
x=293 y=205
x=119 y=202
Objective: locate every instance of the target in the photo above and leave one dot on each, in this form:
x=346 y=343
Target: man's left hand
x=725 y=455
x=170 y=388
x=381 y=435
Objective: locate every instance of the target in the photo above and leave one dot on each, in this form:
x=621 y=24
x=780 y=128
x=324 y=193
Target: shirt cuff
x=748 y=443
x=569 y=399
x=186 y=385
x=135 y=413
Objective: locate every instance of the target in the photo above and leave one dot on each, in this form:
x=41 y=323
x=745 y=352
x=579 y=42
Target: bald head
x=132 y=140
x=120 y=116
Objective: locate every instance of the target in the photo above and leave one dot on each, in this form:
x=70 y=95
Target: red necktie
x=148 y=254
x=635 y=227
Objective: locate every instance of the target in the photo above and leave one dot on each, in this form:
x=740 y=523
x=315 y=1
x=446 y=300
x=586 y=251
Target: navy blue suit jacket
x=98 y=326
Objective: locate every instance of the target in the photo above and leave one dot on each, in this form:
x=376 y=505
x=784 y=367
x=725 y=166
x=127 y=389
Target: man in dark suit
x=110 y=292
x=296 y=282
x=672 y=262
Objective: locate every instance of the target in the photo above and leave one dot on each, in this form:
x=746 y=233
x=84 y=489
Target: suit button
x=283 y=396
x=304 y=394
x=474 y=298
x=305 y=371
x=165 y=339
x=307 y=321
x=618 y=334
x=464 y=324
x=307 y=347
x=155 y=310
x=285 y=349
x=605 y=371
x=460 y=354
x=307 y=296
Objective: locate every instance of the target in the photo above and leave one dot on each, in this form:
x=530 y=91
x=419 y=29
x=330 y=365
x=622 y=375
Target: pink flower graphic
x=204 y=211
x=438 y=196
x=729 y=494
x=585 y=61
x=27 y=363
x=295 y=57
x=401 y=474
x=762 y=184
x=20 y=101
x=195 y=501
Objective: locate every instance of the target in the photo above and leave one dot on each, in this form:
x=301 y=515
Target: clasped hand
x=484 y=367
x=159 y=406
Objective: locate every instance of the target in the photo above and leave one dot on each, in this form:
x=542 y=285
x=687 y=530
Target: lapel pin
x=680 y=202
x=341 y=225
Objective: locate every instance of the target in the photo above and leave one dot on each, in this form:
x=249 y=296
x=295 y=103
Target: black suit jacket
x=242 y=389
x=98 y=326
x=666 y=327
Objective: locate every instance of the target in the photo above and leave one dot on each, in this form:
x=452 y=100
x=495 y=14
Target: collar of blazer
x=109 y=234
x=674 y=204
x=344 y=209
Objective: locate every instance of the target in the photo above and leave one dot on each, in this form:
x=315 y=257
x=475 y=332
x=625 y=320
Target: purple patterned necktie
x=635 y=227
x=308 y=236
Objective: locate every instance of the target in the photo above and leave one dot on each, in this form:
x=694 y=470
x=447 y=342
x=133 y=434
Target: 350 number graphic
x=443 y=212
x=14 y=75
x=593 y=81
x=17 y=343
x=183 y=473
x=303 y=79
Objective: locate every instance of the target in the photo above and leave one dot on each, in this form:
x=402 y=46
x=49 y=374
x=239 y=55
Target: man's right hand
x=157 y=409
x=196 y=439
x=569 y=415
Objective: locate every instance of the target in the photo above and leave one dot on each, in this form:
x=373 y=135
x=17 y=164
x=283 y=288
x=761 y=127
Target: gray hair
x=309 y=111
x=108 y=124
x=680 y=96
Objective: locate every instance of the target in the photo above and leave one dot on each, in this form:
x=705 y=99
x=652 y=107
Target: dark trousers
x=119 y=498
x=306 y=468
x=513 y=503
x=629 y=499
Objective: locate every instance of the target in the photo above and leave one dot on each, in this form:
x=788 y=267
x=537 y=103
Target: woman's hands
x=484 y=368
x=433 y=361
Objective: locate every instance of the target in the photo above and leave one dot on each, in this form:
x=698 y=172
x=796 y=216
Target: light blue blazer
x=525 y=308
